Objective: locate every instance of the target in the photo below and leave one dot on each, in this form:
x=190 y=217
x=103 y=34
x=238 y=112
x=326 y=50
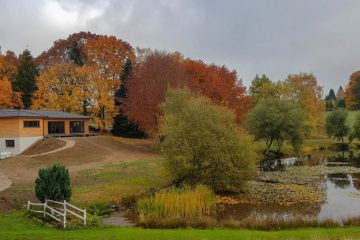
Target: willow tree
x=203 y=144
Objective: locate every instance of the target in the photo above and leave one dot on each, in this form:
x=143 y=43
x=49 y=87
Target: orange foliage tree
x=81 y=74
x=8 y=98
x=219 y=84
x=352 y=92
x=8 y=70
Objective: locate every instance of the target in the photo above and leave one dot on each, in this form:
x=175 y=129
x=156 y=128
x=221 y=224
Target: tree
x=352 y=93
x=53 y=183
x=275 y=119
x=203 y=144
x=25 y=78
x=8 y=98
x=336 y=125
x=304 y=89
x=156 y=71
x=147 y=87
x=68 y=50
x=122 y=126
x=219 y=84
x=330 y=100
x=340 y=96
x=257 y=83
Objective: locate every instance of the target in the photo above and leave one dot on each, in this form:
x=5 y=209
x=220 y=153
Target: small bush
x=182 y=202
x=53 y=183
x=100 y=209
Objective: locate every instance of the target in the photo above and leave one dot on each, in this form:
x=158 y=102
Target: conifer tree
x=121 y=125
x=25 y=80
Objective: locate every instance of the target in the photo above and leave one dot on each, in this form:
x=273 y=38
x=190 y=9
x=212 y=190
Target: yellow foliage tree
x=305 y=90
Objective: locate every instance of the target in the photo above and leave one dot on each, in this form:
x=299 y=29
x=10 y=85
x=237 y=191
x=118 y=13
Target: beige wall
x=30 y=132
x=14 y=127
x=9 y=127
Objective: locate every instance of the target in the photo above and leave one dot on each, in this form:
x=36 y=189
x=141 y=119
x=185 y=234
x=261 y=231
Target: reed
x=185 y=202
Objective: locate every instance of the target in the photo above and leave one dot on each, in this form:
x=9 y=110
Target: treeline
x=107 y=79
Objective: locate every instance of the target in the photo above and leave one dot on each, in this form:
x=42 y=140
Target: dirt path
x=69 y=144
x=5 y=182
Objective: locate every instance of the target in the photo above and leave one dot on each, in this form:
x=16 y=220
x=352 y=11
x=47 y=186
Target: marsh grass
x=185 y=202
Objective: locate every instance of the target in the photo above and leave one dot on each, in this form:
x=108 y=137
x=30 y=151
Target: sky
x=274 y=37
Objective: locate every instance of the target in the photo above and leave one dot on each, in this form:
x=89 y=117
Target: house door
x=56 y=127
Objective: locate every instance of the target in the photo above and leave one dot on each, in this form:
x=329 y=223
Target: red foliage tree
x=158 y=71
x=147 y=87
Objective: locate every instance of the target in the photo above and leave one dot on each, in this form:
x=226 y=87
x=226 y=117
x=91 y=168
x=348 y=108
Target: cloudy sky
x=275 y=37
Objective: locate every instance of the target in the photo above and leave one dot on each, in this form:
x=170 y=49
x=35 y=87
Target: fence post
x=45 y=203
x=84 y=216
x=64 y=213
x=28 y=206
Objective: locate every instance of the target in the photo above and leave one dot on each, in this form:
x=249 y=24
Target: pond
x=341 y=189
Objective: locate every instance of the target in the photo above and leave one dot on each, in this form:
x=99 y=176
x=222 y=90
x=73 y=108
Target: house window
x=10 y=143
x=31 y=124
x=77 y=127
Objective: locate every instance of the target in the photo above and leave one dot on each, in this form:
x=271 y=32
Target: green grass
x=113 y=182
x=15 y=225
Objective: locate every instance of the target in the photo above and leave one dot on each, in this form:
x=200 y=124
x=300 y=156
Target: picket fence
x=57 y=210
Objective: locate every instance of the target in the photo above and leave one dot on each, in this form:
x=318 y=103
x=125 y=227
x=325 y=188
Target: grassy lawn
x=115 y=181
x=15 y=225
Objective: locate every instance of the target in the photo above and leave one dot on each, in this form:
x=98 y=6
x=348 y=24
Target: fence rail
x=58 y=213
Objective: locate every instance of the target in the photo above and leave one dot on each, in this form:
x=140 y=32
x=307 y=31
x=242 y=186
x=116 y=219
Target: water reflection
x=343 y=197
x=344 y=158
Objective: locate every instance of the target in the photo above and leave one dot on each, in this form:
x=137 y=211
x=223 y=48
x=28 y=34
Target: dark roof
x=6 y=113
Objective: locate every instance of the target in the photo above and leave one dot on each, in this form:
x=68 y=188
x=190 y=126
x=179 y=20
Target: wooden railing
x=58 y=210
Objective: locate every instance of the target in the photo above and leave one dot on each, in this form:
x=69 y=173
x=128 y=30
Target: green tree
x=336 y=125
x=203 y=144
x=330 y=100
x=275 y=120
x=257 y=84
x=25 y=79
x=122 y=126
x=53 y=183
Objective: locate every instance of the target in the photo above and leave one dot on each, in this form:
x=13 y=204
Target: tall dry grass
x=185 y=202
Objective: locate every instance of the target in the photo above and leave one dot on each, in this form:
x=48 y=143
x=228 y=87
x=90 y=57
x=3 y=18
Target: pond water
x=342 y=190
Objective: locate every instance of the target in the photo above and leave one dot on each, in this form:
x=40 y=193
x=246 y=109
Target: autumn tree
x=219 y=84
x=25 y=78
x=8 y=98
x=67 y=50
x=8 y=71
x=352 y=93
x=147 y=86
x=304 y=89
x=84 y=61
x=63 y=87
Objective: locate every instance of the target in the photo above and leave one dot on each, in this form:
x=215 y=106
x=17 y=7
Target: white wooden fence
x=58 y=210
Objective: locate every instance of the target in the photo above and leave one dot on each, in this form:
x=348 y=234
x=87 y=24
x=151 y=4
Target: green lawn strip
x=15 y=225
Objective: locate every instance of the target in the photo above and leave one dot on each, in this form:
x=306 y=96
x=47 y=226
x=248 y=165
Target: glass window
x=31 y=124
x=10 y=143
x=77 y=127
x=56 y=127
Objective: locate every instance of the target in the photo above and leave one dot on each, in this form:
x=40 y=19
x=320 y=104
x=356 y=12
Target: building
x=19 y=129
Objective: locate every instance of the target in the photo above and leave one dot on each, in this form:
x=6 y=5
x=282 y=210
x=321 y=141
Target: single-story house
x=19 y=129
